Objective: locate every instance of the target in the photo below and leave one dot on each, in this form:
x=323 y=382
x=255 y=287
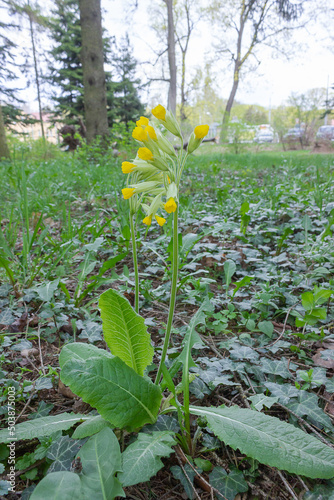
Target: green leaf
x=121 y=396
x=141 y=460
x=6 y=317
x=187 y=481
x=125 y=332
x=43 y=426
x=266 y=327
x=101 y=460
x=57 y=486
x=45 y=292
x=228 y=485
x=321 y=296
x=307 y=404
x=62 y=453
x=261 y=400
x=81 y=352
x=284 y=392
x=270 y=441
x=95 y=424
x=238 y=284
x=275 y=367
x=229 y=270
x=308 y=301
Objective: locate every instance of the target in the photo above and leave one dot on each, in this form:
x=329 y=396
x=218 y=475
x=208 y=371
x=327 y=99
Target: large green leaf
x=81 y=351
x=121 y=396
x=101 y=460
x=95 y=424
x=270 y=441
x=141 y=459
x=62 y=485
x=43 y=426
x=125 y=332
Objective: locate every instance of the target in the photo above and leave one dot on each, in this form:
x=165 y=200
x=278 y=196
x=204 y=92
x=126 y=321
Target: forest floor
x=256 y=240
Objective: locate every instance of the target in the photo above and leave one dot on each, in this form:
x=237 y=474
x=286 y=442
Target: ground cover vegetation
x=245 y=403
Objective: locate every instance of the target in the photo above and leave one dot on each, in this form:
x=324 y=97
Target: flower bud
x=196 y=137
x=145 y=154
x=139 y=134
x=142 y=122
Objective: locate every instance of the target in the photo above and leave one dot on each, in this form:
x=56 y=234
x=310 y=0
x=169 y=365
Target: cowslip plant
x=116 y=382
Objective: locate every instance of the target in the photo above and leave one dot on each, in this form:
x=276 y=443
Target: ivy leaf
x=275 y=367
x=270 y=441
x=125 y=331
x=121 y=396
x=307 y=405
x=6 y=317
x=261 y=400
x=62 y=453
x=244 y=352
x=57 y=486
x=101 y=460
x=141 y=459
x=228 y=484
x=284 y=392
x=180 y=476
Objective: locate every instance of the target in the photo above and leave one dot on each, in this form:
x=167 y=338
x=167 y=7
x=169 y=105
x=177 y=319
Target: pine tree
x=123 y=99
x=65 y=67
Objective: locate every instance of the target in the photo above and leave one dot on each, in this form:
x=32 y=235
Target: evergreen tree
x=124 y=104
x=7 y=75
x=65 y=67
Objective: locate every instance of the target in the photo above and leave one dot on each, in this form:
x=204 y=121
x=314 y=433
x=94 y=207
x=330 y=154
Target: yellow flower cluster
x=153 y=173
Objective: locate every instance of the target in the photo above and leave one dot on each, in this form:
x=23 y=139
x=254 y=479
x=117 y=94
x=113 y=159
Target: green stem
x=175 y=268
x=135 y=263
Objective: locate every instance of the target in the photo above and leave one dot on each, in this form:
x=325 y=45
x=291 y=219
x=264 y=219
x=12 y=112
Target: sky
x=311 y=66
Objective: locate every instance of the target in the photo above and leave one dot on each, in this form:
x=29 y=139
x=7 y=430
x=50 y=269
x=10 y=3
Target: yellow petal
x=148 y=220
x=160 y=220
x=142 y=122
x=170 y=206
x=151 y=132
x=127 y=193
x=201 y=131
x=145 y=154
x=127 y=167
x=159 y=112
x=139 y=134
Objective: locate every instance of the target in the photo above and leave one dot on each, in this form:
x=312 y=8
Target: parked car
x=264 y=136
x=326 y=132
x=293 y=134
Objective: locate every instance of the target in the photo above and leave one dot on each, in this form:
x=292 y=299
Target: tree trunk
x=36 y=74
x=4 y=151
x=95 y=100
x=171 y=57
x=233 y=92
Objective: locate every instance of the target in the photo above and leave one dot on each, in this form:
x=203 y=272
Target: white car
x=326 y=132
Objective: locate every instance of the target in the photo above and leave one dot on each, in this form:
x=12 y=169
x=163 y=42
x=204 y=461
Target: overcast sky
x=274 y=80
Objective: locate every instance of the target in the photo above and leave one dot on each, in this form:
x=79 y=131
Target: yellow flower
x=142 y=122
x=127 y=167
x=159 y=112
x=170 y=206
x=127 y=193
x=151 y=132
x=139 y=134
x=160 y=220
x=148 y=220
x=201 y=131
x=145 y=154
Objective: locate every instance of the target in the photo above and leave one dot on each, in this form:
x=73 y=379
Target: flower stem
x=135 y=263
x=175 y=267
